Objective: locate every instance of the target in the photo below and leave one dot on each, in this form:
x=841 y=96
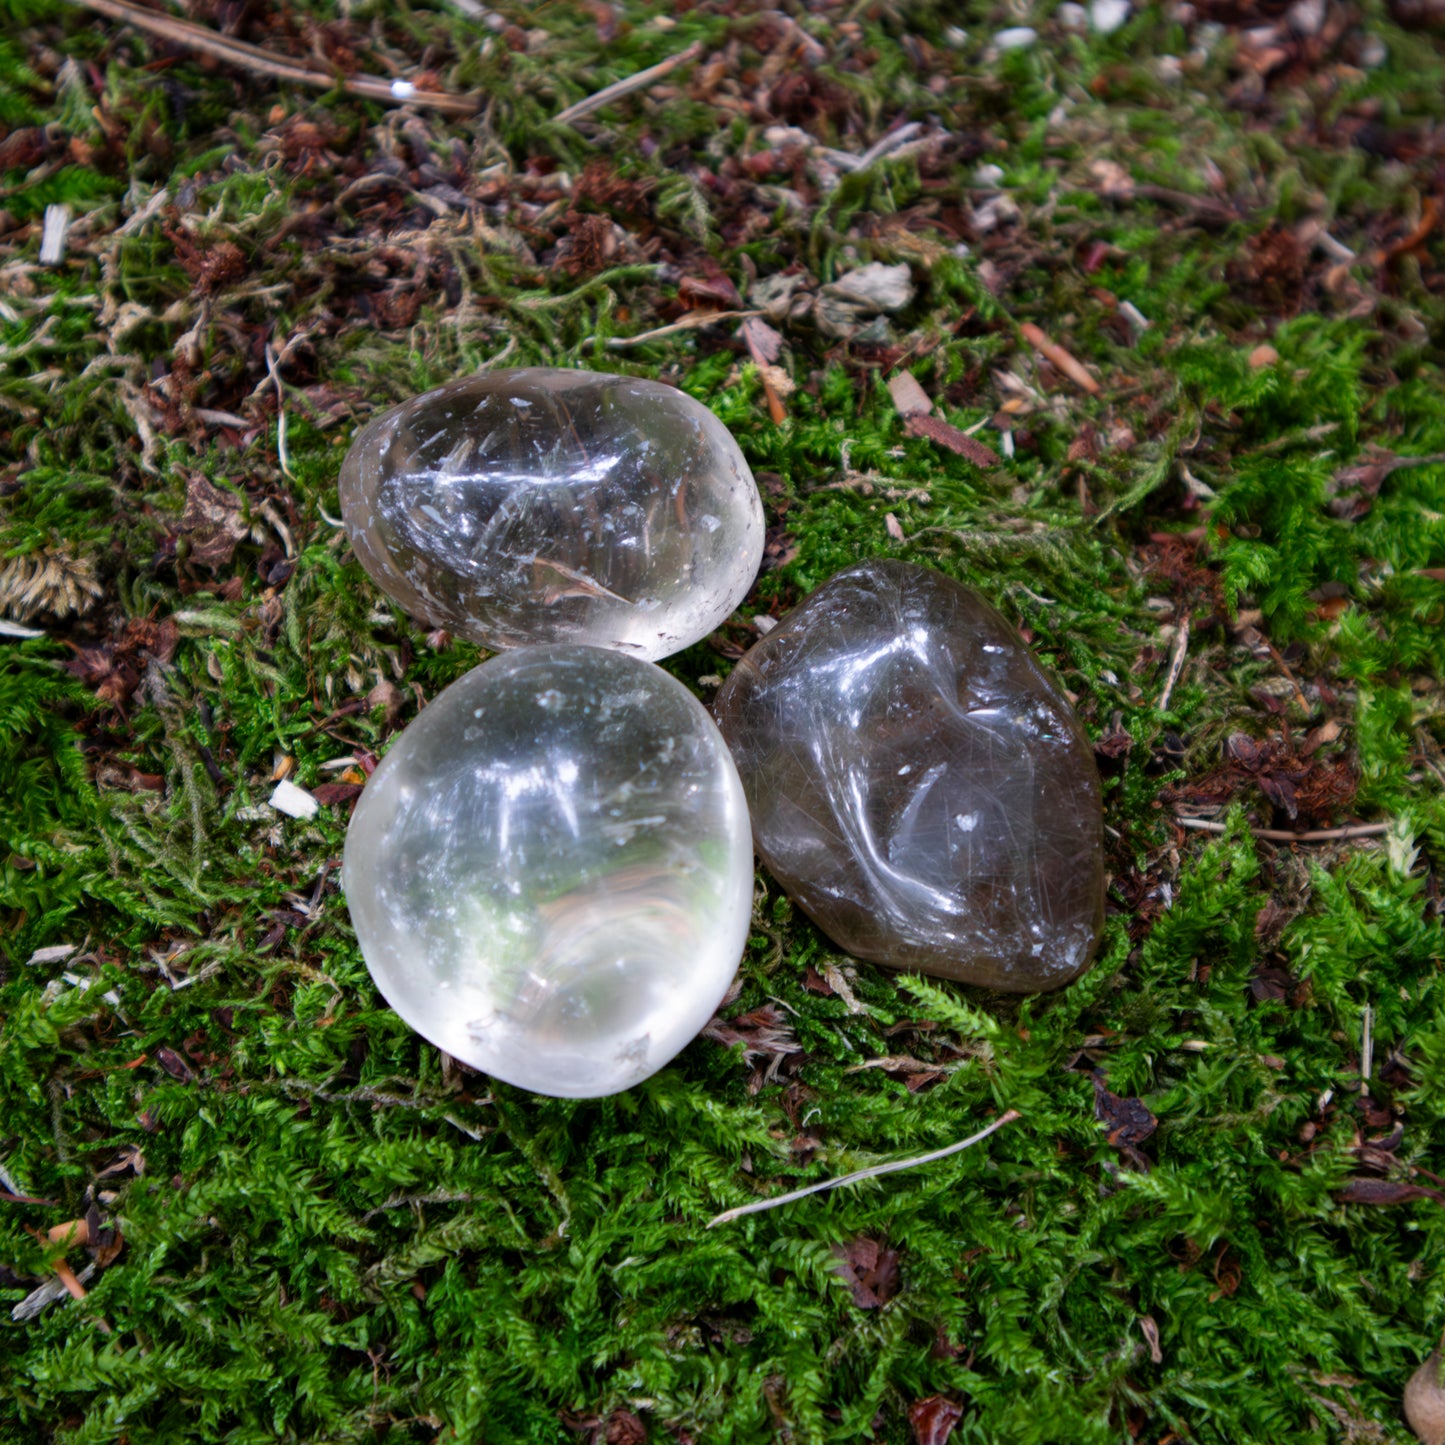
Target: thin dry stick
x=1279 y=835
x=263 y=62
x=688 y=323
x=640 y=81
x=1283 y=666
x=728 y=1215
x=1176 y=664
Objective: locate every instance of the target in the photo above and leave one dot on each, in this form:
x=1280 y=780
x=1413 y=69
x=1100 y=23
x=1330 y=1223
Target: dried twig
x=1280 y=835
x=263 y=62
x=45 y=1294
x=640 y=81
x=894 y=140
x=690 y=322
x=1290 y=678
x=1176 y=664
x=728 y=1215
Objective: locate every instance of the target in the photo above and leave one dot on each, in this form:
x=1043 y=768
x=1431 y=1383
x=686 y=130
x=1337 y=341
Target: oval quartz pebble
x=918 y=784
x=540 y=505
x=550 y=873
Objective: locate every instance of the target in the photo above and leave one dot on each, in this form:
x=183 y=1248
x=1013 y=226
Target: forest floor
x=1175 y=290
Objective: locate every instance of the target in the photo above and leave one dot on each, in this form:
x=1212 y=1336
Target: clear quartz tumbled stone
x=538 y=505
x=550 y=874
x=918 y=785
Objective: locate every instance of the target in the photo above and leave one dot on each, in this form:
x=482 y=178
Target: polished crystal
x=539 y=505
x=918 y=784
x=550 y=873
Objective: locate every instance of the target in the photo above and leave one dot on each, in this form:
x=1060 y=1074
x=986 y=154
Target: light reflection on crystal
x=550 y=874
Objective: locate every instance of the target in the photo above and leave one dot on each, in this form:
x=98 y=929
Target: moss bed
x=1219 y=1217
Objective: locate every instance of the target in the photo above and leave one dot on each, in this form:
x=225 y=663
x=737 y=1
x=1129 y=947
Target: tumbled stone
x=538 y=505
x=918 y=785
x=550 y=873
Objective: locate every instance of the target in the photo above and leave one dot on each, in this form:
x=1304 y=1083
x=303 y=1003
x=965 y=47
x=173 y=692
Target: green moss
x=341 y=1236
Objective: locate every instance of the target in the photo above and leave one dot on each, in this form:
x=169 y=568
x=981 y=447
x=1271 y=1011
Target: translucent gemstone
x=550 y=873
x=918 y=784
x=533 y=506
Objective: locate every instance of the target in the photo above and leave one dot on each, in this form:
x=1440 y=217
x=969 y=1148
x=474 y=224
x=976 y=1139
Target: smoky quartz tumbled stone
x=539 y=505
x=918 y=784
x=550 y=873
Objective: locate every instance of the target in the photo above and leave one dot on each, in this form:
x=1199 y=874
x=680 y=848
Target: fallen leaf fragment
x=950 y=436
x=211 y=523
x=764 y=344
x=874 y=287
x=764 y=1032
x=870 y=1268
x=293 y=801
x=1128 y=1121
x=625 y=1428
x=56 y=953
x=1386 y=1191
x=710 y=289
x=932 y=1420
x=1354 y=488
x=174 y=1065
x=1060 y=359
x=908 y=396
x=331 y=793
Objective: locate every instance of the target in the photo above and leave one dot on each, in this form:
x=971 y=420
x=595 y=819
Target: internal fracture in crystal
x=539 y=505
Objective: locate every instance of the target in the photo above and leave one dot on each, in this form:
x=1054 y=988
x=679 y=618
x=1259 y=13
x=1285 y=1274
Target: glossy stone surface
x=537 y=505
x=550 y=873
x=917 y=783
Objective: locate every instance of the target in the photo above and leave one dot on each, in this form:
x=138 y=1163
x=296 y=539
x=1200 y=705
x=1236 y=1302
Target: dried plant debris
x=965 y=298
x=1425 y=1401
x=51 y=583
x=871 y=1271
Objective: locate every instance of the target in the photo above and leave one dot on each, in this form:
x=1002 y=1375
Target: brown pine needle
x=1058 y=358
x=640 y=81
x=1281 y=835
x=728 y=1215
x=263 y=62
